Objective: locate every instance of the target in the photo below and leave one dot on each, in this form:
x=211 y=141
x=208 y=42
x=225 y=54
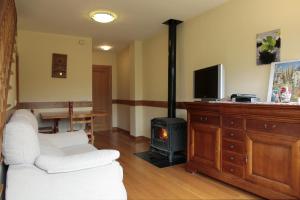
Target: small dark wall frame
x=59 y=65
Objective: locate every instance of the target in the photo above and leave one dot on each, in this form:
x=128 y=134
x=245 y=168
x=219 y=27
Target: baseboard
x=125 y=132
x=117 y=129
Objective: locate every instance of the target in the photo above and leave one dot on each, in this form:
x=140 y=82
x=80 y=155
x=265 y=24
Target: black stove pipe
x=172 y=23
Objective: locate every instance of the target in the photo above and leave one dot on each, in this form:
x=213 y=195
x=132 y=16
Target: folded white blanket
x=59 y=164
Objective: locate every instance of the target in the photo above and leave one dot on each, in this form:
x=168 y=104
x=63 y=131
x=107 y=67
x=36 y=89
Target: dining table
x=57 y=116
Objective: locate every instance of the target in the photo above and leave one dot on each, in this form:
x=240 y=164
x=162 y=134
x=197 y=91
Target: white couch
x=57 y=166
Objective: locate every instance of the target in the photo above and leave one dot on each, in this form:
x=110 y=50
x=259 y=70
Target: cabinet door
x=274 y=162
x=205 y=145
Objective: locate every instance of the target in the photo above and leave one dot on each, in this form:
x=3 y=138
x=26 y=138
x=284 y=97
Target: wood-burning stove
x=168 y=134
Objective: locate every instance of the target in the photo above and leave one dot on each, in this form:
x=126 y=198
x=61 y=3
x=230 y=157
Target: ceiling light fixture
x=103 y=16
x=105 y=47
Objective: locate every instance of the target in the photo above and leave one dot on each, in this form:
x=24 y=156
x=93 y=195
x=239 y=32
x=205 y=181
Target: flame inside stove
x=163 y=134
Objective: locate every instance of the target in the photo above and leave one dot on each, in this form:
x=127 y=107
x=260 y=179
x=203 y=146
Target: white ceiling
x=137 y=19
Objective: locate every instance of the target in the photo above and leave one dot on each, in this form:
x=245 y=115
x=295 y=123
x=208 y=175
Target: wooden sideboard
x=255 y=147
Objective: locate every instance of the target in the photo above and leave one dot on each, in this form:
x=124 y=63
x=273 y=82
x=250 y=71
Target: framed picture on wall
x=284 y=83
x=268 y=47
x=59 y=65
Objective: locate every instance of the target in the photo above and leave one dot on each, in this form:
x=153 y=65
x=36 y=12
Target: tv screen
x=208 y=83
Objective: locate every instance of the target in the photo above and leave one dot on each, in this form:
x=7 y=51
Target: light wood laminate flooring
x=145 y=181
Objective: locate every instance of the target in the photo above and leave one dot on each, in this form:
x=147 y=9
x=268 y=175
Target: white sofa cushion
x=99 y=183
x=20 y=143
x=25 y=115
x=58 y=164
x=49 y=149
x=61 y=140
x=77 y=149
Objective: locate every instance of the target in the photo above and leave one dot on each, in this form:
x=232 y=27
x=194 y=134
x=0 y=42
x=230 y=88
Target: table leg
x=56 y=125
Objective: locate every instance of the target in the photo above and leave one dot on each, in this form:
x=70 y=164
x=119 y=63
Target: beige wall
x=137 y=71
x=130 y=87
x=155 y=67
x=227 y=35
x=124 y=62
x=136 y=89
x=35 y=61
x=224 y=35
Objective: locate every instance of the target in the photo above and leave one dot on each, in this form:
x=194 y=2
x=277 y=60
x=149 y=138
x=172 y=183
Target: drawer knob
x=231 y=146
x=273 y=126
x=231 y=134
x=231 y=170
x=203 y=118
x=231 y=122
x=231 y=158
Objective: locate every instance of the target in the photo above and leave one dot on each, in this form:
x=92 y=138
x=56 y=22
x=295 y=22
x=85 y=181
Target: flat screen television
x=209 y=83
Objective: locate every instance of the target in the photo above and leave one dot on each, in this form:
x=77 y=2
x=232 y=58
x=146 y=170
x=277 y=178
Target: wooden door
x=274 y=162
x=102 y=96
x=205 y=148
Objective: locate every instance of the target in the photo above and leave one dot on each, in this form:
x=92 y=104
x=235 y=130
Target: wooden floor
x=145 y=181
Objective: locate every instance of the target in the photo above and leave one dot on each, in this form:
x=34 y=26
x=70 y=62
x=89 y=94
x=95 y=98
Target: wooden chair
x=82 y=119
x=47 y=129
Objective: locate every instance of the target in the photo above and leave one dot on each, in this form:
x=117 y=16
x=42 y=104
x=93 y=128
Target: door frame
x=109 y=68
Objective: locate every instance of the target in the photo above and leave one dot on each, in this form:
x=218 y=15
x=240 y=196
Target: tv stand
x=255 y=147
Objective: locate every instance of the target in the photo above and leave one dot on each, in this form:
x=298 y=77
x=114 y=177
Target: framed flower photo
x=284 y=82
x=268 y=47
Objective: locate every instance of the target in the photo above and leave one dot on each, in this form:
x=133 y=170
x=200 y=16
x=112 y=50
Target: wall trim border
x=59 y=104
x=64 y=104
x=159 y=104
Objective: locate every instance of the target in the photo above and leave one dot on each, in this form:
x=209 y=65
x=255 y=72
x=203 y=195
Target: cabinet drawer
x=232 y=122
x=234 y=158
x=238 y=147
x=233 y=169
x=206 y=119
x=272 y=126
x=233 y=134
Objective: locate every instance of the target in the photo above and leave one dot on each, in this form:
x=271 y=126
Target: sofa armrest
x=59 y=164
x=61 y=140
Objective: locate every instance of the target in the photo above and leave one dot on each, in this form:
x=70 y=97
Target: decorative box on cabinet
x=255 y=147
